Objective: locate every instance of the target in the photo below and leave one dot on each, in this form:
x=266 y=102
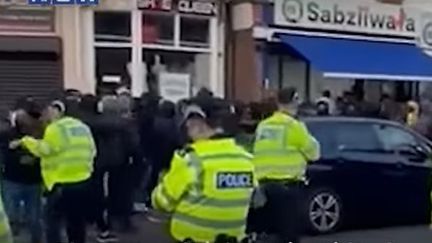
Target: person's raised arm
x=51 y=143
x=174 y=184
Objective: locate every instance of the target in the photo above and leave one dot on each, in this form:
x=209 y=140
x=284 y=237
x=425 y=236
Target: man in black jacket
x=167 y=139
x=117 y=144
x=22 y=181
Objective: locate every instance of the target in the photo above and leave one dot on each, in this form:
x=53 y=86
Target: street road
x=393 y=235
x=149 y=232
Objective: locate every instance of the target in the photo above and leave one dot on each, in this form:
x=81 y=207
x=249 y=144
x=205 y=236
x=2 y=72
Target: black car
x=372 y=173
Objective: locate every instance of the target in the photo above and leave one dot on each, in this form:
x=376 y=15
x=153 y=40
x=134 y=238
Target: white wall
x=75 y=26
x=202 y=70
x=424 y=5
x=294 y=74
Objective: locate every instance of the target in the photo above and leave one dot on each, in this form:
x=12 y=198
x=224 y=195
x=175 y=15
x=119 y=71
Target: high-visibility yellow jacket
x=5 y=232
x=67 y=151
x=208 y=190
x=282 y=148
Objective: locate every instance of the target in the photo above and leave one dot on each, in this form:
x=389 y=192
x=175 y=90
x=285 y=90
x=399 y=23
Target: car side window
x=393 y=137
x=323 y=133
x=359 y=137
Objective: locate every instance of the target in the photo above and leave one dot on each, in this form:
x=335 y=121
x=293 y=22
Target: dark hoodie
x=108 y=132
x=168 y=136
x=147 y=111
x=116 y=137
x=18 y=165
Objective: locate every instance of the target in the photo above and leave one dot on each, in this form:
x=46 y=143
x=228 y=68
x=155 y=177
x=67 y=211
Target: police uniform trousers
x=67 y=203
x=280 y=215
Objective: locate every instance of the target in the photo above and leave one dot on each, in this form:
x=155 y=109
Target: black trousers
x=280 y=215
x=100 y=200
x=152 y=182
x=69 y=203
x=120 y=190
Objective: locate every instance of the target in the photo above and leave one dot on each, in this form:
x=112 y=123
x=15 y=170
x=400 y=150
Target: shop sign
x=174 y=86
x=17 y=16
x=425 y=33
x=202 y=7
x=347 y=16
x=63 y=2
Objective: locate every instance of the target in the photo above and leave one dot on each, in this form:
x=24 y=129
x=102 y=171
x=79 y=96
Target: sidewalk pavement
x=146 y=232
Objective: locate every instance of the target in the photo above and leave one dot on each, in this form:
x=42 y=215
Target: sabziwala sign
x=360 y=16
x=201 y=7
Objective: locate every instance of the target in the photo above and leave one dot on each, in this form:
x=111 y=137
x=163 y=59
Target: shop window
x=194 y=32
x=112 y=68
x=158 y=28
x=112 y=27
x=196 y=65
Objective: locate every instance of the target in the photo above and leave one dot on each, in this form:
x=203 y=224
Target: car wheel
x=324 y=211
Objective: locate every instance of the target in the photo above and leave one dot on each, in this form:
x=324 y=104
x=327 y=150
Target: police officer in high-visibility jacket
x=282 y=148
x=209 y=184
x=5 y=231
x=67 y=151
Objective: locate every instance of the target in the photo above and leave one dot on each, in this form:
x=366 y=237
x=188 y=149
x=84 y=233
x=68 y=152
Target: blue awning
x=346 y=58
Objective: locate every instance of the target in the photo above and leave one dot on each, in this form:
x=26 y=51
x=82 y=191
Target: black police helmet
x=288 y=95
x=213 y=110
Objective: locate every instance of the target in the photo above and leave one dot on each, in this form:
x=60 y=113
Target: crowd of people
x=136 y=140
x=121 y=153
x=408 y=113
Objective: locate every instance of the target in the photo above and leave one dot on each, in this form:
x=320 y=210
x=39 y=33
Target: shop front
x=30 y=53
x=368 y=47
x=169 y=47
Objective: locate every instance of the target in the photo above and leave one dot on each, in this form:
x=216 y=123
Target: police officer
x=282 y=148
x=67 y=151
x=209 y=185
x=5 y=232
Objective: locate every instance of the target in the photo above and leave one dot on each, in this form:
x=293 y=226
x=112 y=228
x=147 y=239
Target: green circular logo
x=292 y=10
x=427 y=34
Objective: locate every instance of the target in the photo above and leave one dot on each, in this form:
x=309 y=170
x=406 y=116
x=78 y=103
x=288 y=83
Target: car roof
x=334 y=119
x=345 y=119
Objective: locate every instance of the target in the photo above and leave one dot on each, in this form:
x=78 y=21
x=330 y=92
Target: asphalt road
x=157 y=233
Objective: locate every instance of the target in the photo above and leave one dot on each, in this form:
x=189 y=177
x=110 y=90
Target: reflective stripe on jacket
x=282 y=148
x=208 y=191
x=67 y=151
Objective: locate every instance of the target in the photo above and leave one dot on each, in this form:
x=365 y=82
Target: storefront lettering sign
x=197 y=7
x=13 y=2
x=161 y=5
x=63 y=2
x=347 y=16
x=23 y=18
x=202 y=7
